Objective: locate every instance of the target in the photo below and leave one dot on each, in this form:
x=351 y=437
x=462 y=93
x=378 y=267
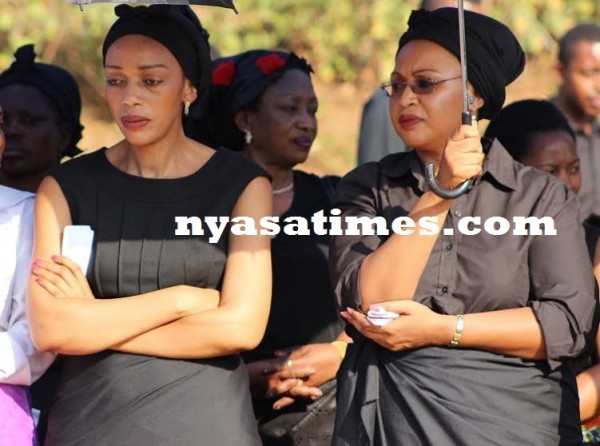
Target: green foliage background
x=346 y=40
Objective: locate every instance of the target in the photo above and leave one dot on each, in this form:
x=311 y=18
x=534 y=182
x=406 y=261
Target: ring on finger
x=289 y=363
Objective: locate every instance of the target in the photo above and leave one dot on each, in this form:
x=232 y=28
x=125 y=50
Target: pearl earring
x=247 y=136
x=186 y=108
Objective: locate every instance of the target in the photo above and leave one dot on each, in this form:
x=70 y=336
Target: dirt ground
x=334 y=151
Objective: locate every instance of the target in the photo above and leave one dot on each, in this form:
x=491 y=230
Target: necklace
x=285 y=189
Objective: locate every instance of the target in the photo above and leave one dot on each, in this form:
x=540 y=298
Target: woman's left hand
x=417 y=326
x=324 y=358
x=62 y=278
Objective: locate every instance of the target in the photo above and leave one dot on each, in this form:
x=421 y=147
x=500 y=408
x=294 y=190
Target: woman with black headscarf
x=152 y=341
x=489 y=318
x=42 y=108
x=265 y=106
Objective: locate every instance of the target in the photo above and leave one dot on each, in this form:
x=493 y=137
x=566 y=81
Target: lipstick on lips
x=407 y=122
x=304 y=142
x=134 y=122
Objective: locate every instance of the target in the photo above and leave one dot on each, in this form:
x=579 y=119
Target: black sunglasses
x=418 y=85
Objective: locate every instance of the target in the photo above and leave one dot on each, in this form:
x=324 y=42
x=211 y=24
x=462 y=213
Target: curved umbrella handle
x=466 y=117
x=447 y=194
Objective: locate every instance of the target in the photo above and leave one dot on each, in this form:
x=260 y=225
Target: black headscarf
x=494 y=56
x=178 y=29
x=238 y=83
x=55 y=83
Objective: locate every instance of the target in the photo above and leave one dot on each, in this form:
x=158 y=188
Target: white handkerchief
x=381 y=317
x=77 y=245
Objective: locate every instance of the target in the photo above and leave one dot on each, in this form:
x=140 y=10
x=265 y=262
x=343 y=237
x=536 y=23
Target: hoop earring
x=247 y=136
x=186 y=108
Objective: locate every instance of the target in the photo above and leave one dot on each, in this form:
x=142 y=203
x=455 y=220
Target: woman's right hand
x=63 y=278
x=462 y=158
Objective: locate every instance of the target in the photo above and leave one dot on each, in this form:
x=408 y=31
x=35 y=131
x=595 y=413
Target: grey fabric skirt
x=441 y=396
x=117 y=399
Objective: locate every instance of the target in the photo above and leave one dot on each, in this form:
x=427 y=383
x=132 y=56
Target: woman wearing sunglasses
x=488 y=321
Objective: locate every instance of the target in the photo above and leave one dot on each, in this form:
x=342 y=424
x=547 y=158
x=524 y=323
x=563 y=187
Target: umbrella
x=467 y=118
x=222 y=3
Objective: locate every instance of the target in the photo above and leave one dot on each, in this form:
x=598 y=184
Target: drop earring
x=186 y=108
x=247 y=136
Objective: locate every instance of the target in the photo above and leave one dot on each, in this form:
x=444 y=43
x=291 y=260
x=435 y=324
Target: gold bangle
x=341 y=347
x=460 y=325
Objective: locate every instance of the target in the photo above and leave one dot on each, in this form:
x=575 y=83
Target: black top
x=303 y=308
x=439 y=395
x=115 y=398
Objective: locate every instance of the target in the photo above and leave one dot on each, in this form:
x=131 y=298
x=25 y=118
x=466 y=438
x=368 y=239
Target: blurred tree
x=539 y=23
x=62 y=34
x=345 y=40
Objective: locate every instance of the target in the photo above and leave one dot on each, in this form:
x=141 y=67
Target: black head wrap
x=178 y=29
x=494 y=56
x=55 y=83
x=238 y=83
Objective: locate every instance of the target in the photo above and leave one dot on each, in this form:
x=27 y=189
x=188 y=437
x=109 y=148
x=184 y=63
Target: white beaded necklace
x=285 y=189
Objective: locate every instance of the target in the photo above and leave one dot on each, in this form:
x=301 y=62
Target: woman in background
x=265 y=106
x=42 y=108
x=537 y=134
x=20 y=363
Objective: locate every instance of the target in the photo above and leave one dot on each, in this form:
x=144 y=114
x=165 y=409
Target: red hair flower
x=223 y=74
x=268 y=64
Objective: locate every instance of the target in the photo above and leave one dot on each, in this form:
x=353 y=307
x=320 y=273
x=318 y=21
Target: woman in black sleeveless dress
x=152 y=343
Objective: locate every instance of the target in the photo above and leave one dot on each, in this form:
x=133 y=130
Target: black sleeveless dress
x=113 y=398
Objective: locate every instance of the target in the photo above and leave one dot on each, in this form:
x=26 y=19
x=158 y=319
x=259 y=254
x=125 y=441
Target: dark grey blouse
x=475 y=273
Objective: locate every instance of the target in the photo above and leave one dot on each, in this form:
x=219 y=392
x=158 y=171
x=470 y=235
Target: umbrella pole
x=466 y=117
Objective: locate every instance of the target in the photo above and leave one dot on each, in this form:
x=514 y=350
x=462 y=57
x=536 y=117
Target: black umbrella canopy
x=221 y=3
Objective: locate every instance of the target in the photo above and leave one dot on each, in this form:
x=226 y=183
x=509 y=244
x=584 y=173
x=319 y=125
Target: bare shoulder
x=52 y=214
x=256 y=199
x=50 y=190
x=51 y=201
x=258 y=188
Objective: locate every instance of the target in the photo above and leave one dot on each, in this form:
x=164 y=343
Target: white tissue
x=77 y=245
x=380 y=316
